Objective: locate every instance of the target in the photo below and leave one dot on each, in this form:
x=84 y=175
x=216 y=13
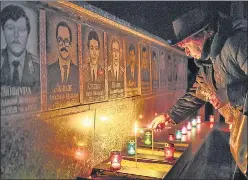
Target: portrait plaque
x=145 y=69
x=62 y=62
x=155 y=69
x=93 y=65
x=132 y=68
x=20 y=59
x=115 y=67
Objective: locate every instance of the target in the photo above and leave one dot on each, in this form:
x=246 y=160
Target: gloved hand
x=161 y=121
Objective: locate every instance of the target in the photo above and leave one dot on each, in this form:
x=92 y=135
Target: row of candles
x=169 y=148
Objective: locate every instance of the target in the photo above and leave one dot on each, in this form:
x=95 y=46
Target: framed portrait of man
x=155 y=69
x=170 y=71
x=93 y=64
x=62 y=62
x=115 y=67
x=163 y=68
x=145 y=69
x=20 y=61
x=132 y=68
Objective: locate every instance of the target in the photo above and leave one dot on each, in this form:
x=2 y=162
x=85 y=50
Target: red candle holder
x=169 y=150
x=211 y=118
x=171 y=137
x=116 y=159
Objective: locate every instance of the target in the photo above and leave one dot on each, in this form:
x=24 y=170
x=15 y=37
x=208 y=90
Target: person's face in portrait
x=132 y=57
x=16 y=35
x=63 y=42
x=94 y=51
x=115 y=53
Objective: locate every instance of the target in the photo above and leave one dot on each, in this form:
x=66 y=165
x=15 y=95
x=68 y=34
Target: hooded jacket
x=223 y=66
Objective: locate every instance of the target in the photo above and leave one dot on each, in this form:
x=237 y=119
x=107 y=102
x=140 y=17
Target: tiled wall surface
x=70 y=144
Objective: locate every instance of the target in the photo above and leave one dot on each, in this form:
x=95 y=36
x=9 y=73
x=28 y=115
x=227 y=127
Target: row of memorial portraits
x=20 y=63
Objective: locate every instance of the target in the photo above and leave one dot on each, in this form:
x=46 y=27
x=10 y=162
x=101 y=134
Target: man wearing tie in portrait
x=19 y=68
x=63 y=71
x=145 y=72
x=92 y=66
x=132 y=69
x=115 y=69
x=154 y=67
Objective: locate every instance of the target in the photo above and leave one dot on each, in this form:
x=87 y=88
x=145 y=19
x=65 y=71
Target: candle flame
x=103 y=118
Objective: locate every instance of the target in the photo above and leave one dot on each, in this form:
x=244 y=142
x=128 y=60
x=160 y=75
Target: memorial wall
x=73 y=81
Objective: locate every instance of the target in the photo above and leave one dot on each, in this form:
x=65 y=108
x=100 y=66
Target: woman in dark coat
x=219 y=46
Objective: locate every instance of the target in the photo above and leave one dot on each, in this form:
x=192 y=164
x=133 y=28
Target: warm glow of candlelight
x=103 y=118
x=79 y=154
x=211 y=118
x=198 y=119
x=171 y=137
x=86 y=122
x=140 y=116
x=184 y=130
x=135 y=127
x=178 y=134
x=155 y=114
x=230 y=126
x=189 y=126
x=193 y=122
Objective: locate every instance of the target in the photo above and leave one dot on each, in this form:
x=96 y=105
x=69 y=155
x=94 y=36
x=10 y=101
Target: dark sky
x=156 y=16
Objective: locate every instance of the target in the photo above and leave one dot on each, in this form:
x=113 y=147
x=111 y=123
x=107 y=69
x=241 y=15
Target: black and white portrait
x=20 y=62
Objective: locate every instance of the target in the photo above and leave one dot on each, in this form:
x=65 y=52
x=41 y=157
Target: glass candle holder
x=193 y=122
x=189 y=126
x=116 y=159
x=148 y=138
x=184 y=130
x=211 y=118
x=171 y=137
x=131 y=148
x=169 y=150
x=178 y=135
x=198 y=119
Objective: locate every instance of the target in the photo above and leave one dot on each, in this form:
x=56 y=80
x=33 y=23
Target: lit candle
x=189 y=126
x=169 y=151
x=178 y=135
x=211 y=118
x=171 y=137
x=194 y=122
x=184 y=130
x=230 y=126
x=184 y=138
x=148 y=138
x=131 y=149
x=198 y=119
x=116 y=159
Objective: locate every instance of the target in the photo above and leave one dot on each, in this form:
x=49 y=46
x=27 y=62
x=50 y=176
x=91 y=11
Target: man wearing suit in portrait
x=154 y=67
x=63 y=71
x=145 y=71
x=162 y=69
x=115 y=71
x=19 y=68
x=131 y=68
x=94 y=73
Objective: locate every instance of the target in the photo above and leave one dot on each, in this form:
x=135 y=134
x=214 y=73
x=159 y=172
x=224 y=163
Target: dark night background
x=156 y=16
